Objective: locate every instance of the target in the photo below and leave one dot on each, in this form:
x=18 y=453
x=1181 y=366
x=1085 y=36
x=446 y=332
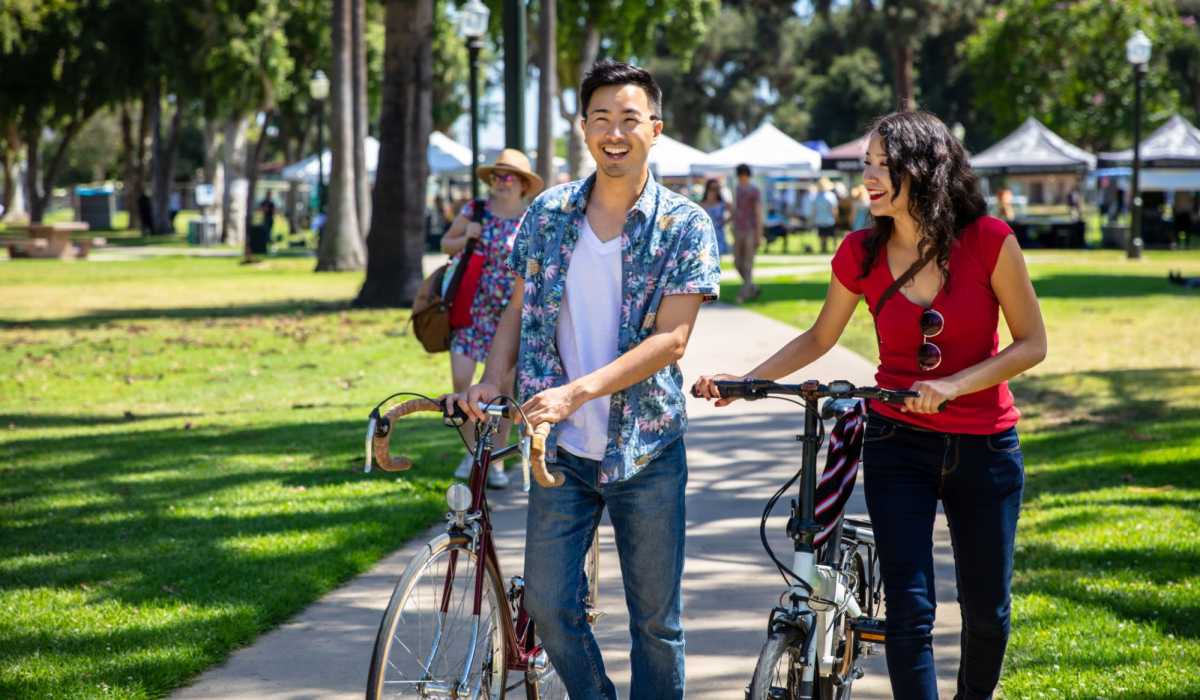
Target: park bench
x=53 y=241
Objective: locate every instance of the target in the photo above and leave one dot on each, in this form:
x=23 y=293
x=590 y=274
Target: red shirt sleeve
x=847 y=261
x=992 y=233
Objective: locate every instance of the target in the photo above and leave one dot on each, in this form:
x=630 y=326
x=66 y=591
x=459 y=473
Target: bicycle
x=451 y=630
x=831 y=614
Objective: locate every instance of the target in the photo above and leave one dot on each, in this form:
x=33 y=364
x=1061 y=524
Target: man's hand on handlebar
x=474 y=399
x=553 y=405
x=706 y=388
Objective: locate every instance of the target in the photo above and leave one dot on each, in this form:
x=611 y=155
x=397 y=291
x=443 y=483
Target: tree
x=341 y=246
x=395 y=243
x=547 y=89
x=1064 y=63
x=625 y=29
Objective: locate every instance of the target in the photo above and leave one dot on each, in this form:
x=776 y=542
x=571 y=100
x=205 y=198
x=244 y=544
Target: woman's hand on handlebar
x=934 y=394
x=706 y=388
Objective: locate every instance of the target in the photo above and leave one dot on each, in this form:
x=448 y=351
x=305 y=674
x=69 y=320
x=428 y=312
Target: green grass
x=1107 y=586
x=179 y=462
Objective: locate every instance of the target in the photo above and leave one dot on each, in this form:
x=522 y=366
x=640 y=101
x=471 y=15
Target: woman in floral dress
x=512 y=184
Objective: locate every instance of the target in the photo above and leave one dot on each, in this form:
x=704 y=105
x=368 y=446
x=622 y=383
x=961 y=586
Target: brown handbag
x=430 y=310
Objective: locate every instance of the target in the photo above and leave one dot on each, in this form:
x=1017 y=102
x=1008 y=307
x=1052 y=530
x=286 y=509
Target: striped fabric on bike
x=841 y=469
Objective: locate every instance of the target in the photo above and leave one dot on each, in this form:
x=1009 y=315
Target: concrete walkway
x=738 y=456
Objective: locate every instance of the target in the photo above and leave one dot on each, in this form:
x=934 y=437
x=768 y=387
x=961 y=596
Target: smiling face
x=507 y=187
x=620 y=127
x=885 y=199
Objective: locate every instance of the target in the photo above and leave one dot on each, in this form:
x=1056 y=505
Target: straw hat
x=512 y=161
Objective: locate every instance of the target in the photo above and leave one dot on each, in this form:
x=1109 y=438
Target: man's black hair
x=743 y=169
x=609 y=72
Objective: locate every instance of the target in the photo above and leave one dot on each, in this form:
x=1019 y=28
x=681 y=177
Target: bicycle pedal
x=593 y=616
x=869 y=629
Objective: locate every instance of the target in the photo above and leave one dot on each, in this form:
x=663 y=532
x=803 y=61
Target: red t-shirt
x=969 y=336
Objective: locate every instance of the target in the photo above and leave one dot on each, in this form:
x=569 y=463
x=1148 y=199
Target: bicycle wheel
x=777 y=675
x=421 y=651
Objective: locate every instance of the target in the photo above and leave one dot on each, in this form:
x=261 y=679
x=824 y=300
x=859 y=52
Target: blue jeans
x=979 y=479
x=647 y=513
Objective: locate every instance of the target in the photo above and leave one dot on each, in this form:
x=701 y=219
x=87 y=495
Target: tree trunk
x=233 y=194
x=14 y=198
x=547 y=89
x=252 y=158
x=128 y=152
x=575 y=144
x=162 y=162
x=214 y=167
x=341 y=246
x=33 y=147
x=396 y=242
x=903 y=58
x=362 y=183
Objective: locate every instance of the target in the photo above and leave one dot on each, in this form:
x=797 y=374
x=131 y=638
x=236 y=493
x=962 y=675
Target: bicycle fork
x=830 y=596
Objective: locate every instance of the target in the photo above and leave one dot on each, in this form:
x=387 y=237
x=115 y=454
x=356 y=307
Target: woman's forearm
x=453 y=245
x=800 y=352
x=1008 y=363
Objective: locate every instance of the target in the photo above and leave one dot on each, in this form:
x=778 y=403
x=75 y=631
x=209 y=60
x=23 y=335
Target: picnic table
x=53 y=241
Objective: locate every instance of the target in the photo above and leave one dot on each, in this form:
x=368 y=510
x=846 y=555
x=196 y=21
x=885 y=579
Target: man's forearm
x=640 y=363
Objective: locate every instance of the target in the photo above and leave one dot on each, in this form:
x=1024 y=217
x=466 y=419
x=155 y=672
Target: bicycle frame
x=477 y=524
x=829 y=595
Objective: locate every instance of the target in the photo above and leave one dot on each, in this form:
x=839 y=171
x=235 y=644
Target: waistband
x=873 y=416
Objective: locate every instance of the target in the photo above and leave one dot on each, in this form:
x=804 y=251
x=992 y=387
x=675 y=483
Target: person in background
x=1183 y=215
x=717 y=210
x=861 y=216
x=1004 y=206
x=512 y=184
x=824 y=208
x=747 y=231
x=1075 y=204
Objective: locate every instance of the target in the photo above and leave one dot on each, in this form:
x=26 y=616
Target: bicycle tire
x=763 y=685
x=422 y=580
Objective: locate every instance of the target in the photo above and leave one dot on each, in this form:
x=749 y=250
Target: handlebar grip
x=380 y=443
x=537 y=456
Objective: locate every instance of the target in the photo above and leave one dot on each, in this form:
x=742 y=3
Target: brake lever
x=526 y=441
x=370 y=436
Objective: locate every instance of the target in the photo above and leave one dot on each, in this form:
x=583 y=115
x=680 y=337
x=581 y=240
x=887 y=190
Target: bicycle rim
x=777 y=675
x=421 y=652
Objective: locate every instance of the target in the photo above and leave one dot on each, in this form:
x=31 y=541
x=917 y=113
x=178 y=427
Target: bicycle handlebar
x=754 y=389
x=379 y=434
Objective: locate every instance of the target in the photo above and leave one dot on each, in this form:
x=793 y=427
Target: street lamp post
x=472 y=23
x=318 y=87
x=1137 y=52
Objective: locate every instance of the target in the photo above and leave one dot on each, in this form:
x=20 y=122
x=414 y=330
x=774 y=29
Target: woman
x=950 y=269
x=512 y=184
x=718 y=211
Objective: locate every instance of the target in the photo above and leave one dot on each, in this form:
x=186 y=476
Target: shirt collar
x=644 y=204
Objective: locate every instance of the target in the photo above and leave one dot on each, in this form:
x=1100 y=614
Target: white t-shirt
x=588 y=324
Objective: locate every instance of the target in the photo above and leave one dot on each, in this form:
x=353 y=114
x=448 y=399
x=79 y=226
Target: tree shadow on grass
x=293 y=307
x=1107 y=439
x=259 y=520
x=1093 y=286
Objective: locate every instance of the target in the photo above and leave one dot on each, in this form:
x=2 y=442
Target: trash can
x=96 y=205
x=260 y=237
x=203 y=231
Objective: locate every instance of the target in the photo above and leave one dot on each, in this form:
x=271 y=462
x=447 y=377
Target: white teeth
x=615 y=150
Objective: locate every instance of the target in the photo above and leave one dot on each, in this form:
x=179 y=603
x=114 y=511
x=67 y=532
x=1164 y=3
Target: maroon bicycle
x=452 y=629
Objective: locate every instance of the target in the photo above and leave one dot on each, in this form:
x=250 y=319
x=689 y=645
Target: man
x=611 y=272
x=747 y=231
x=824 y=213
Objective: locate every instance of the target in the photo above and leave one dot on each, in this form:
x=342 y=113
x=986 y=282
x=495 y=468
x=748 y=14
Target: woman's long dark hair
x=943 y=194
x=713 y=182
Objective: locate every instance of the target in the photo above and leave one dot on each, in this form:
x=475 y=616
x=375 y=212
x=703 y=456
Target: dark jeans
x=647 y=512
x=979 y=479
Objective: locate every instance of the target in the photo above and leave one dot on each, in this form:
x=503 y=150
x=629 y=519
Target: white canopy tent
x=767 y=150
x=1175 y=144
x=671 y=158
x=1033 y=148
x=446 y=157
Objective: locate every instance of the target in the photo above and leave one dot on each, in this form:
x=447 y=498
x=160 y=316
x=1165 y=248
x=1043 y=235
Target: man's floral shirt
x=667 y=247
